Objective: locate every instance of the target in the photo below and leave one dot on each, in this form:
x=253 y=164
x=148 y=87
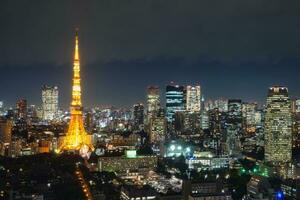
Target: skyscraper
x=297 y=105
x=153 y=101
x=249 y=114
x=235 y=110
x=32 y=113
x=193 y=98
x=22 y=109
x=204 y=120
x=49 y=102
x=76 y=138
x=138 y=116
x=5 y=130
x=278 y=126
x=222 y=105
x=5 y=135
x=234 y=126
x=158 y=127
x=1 y=108
x=215 y=122
x=174 y=101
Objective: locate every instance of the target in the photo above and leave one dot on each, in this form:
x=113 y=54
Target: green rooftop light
x=131 y=154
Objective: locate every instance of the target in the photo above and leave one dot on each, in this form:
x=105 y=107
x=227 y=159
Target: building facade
x=193 y=98
x=5 y=136
x=153 y=101
x=138 y=116
x=278 y=126
x=49 y=102
x=22 y=109
x=158 y=127
x=174 y=101
x=249 y=114
x=234 y=126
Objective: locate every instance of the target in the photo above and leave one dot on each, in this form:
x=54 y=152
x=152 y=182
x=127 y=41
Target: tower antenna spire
x=76 y=53
x=76 y=138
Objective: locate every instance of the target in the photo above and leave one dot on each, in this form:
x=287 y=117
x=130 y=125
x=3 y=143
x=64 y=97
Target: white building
x=193 y=98
x=49 y=102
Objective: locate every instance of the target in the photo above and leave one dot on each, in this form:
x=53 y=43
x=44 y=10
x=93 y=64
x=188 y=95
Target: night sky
x=233 y=48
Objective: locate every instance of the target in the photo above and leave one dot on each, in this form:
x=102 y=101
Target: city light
x=161 y=100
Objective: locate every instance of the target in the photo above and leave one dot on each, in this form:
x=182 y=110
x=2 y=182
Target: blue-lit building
x=174 y=101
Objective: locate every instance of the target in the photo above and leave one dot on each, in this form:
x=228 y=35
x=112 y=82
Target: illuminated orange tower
x=76 y=138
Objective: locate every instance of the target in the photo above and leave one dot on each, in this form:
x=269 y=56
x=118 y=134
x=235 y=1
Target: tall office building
x=89 y=121
x=259 y=117
x=296 y=132
x=192 y=122
x=174 y=101
x=1 y=108
x=22 y=109
x=153 y=101
x=138 y=116
x=179 y=122
x=5 y=130
x=278 y=126
x=249 y=114
x=158 y=127
x=221 y=104
x=193 y=98
x=293 y=105
x=234 y=126
x=235 y=110
x=215 y=122
x=32 y=113
x=204 y=120
x=297 y=105
x=5 y=136
x=49 y=102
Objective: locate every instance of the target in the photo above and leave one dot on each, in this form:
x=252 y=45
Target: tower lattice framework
x=76 y=138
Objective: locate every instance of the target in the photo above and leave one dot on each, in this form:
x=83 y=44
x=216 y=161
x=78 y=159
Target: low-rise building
x=130 y=162
x=204 y=190
x=259 y=188
x=207 y=161
x=132 y=192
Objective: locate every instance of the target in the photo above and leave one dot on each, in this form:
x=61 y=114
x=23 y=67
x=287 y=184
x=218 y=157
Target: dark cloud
x=41 y=31
x=137 y=43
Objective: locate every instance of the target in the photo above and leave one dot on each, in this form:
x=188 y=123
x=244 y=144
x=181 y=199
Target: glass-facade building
x=234 y=126
x=174 y=101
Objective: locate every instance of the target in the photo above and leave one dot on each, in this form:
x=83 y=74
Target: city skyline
x=167 y=99
x=215 y=52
